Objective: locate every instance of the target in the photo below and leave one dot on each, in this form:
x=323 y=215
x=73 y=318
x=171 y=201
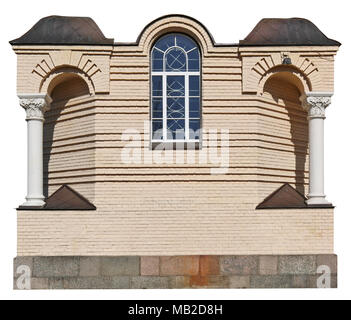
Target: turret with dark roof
x=287 y=32
x=59 y=30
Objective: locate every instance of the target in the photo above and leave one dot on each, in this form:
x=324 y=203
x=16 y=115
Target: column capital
x=315 y=103
x=35 y=105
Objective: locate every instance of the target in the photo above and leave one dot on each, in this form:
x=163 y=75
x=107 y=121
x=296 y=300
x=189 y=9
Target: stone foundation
x=174 y=272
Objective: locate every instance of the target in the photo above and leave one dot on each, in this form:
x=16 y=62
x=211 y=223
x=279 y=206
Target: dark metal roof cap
x=59 y=30
x=284 y=197
x=65 y=198
x=287 y=32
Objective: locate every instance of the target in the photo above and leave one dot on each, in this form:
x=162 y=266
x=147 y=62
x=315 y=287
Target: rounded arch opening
x=172 y=30
x=175 y=24
x=169 y=41
x=67 y=86
x=63 y=75
x=176 y=18
x=283 y=87
x=287 y=74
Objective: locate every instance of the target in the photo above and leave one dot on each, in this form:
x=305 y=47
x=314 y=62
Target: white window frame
x=186 y=75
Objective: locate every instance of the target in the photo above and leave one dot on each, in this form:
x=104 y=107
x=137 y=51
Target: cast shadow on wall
x=72 y=86
x=287 y=94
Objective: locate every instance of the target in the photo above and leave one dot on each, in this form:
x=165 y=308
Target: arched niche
x=62 y=75
x=288 y=74
x=66 y=87
x=64 y=121
x=289 y=124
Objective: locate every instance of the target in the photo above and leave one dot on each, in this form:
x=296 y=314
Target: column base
x=34 y=202
x=318 y=200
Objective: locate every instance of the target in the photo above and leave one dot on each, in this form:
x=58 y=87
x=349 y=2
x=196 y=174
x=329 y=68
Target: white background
x=229 y=22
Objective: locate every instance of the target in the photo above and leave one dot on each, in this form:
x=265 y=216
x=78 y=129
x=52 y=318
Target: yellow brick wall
x=173 y=218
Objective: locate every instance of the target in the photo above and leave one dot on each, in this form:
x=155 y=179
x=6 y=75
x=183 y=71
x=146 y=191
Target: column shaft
x=316 y=137
x=315 y=104
x=35 y=106
x=35 y=163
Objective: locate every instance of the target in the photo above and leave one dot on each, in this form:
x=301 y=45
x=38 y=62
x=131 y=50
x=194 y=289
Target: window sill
x=172 y=145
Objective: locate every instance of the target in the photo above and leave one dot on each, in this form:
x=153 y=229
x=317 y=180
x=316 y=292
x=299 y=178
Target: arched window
x=175 y=89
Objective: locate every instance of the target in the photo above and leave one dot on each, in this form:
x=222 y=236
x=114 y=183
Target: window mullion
x=164 y=106
x=186 y=107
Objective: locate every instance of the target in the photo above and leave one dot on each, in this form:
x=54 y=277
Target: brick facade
x=174 y=225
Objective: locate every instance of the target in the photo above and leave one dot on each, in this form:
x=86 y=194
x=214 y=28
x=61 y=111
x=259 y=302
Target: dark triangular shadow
x=284 y=197
x=65 y=198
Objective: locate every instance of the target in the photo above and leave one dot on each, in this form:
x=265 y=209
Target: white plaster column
x=35 y=106
x=315 y=104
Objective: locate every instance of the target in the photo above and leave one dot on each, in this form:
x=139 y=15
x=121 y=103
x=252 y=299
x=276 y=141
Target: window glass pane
x=157 y=65
x=157 y=130
x=175 y=108
x=194 y=107
x=185 y=42
x=193 y=65
x=157 y=54
x=175 y=86
x=157 y=60
x=165 y=42
x=176 y=129
x=175 y=60
x=157 y=108
x=194 y=129
x=194 y=60
x=194 y=86
x=193 y=54
x=157 y=86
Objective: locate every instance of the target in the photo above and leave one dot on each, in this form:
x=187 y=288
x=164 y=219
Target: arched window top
x=175 y=53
